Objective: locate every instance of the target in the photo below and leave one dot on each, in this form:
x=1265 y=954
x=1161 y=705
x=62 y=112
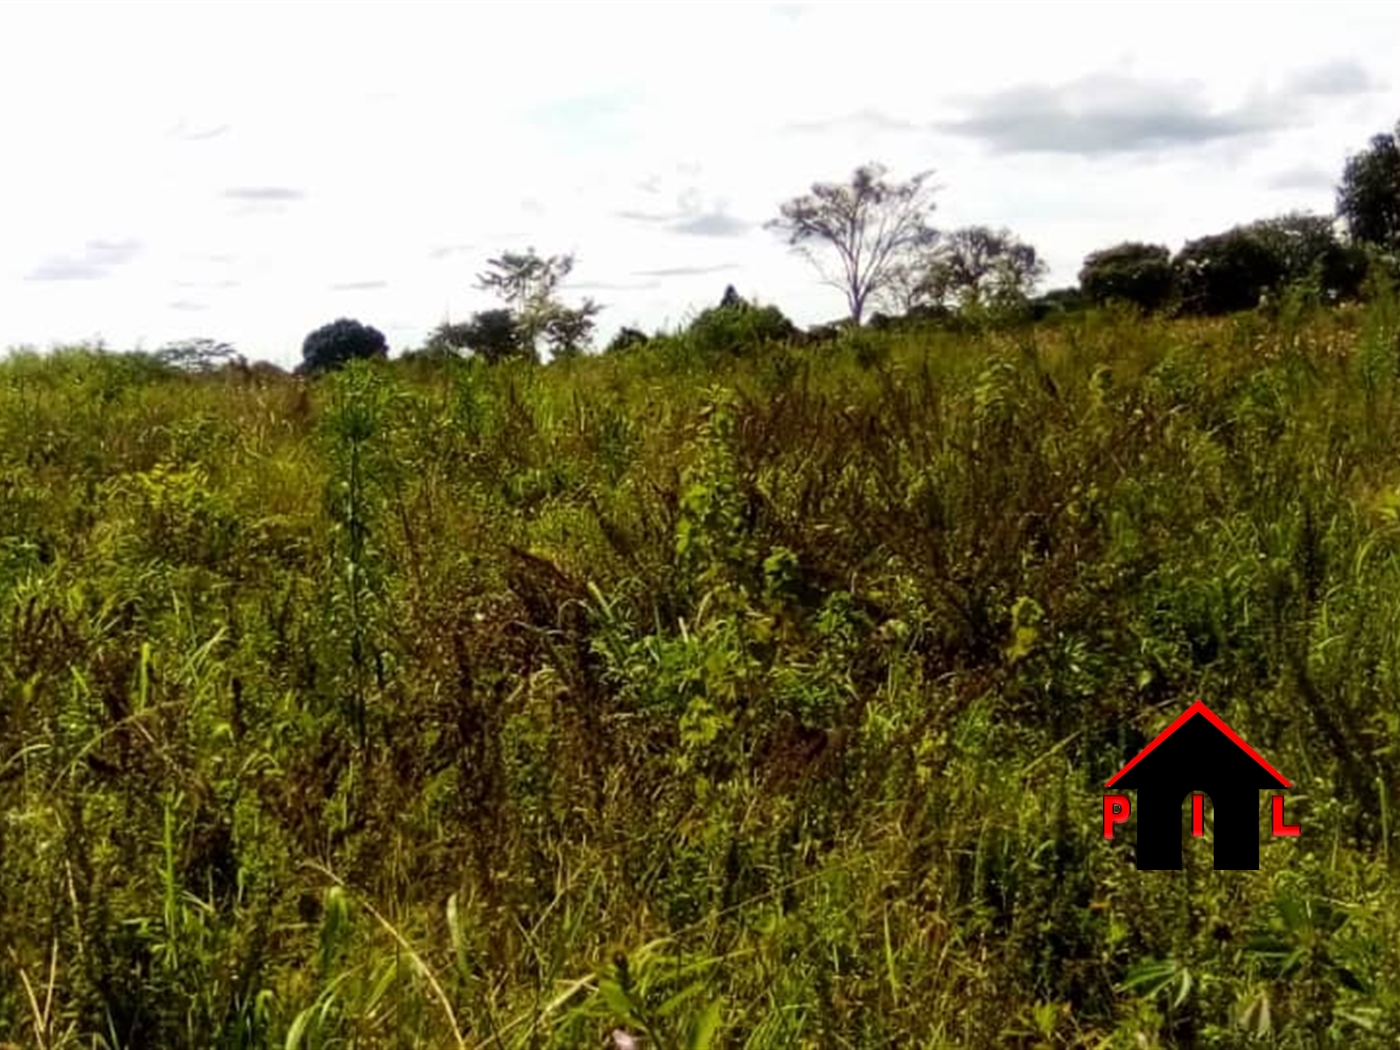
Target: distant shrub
x=197 y=355
x=818 y=335
x=736 y=324
x=266 y=371
x=1057 y=303
x=447 y=339
x=1342 y=272
x=926 y=314
x=495 y=335
x=922 y=316
x=334 y=345
x=626 y=340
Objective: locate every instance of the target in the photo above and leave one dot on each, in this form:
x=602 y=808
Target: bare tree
x=874 y=227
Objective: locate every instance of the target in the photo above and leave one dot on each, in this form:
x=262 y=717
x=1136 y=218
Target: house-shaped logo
x=1196 y=753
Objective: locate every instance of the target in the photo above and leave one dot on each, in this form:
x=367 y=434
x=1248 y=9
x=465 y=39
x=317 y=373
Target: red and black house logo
x=1197 y=755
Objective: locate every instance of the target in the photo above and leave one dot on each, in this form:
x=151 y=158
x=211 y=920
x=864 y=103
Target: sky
x=248 y=172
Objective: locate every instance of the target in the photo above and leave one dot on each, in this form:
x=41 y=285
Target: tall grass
x=751 y=697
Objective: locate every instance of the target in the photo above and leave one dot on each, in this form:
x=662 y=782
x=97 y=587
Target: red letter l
x=1280 y=828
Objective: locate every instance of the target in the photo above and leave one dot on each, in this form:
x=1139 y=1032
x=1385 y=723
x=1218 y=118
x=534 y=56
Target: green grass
x=730 y=699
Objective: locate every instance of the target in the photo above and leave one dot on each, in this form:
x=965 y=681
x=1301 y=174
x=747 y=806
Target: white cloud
x=271 y=167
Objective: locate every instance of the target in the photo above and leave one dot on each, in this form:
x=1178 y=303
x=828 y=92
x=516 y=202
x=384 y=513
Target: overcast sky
x=250 y=171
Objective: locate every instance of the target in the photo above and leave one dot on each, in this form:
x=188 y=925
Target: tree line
x=874 y=239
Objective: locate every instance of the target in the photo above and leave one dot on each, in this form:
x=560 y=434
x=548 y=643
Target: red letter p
x=1116 y=810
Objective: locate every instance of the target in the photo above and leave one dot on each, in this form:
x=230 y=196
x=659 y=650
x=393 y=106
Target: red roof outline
x=1200 y=708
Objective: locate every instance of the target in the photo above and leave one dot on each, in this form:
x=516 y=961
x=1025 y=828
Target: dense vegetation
x=724 y=695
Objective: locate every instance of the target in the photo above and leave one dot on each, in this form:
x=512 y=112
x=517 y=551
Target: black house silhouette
x=1198 y=752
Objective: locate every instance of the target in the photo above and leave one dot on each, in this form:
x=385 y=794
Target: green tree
x=1131 y=272
x=1368 y=199
x=491 y=335
x=977 y=266
x=737 y=324
x=529 y=285
x=569 y=330
x=197 y=355
x=1310 y=254
x=1237 y=269
x=626 y=339
x=449 y=338
x=1226 y=272
x=873 y=226
x=336 y=344
x=495 y=335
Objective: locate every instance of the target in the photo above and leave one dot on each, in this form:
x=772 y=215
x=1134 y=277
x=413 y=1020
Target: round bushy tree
x=1368 y=198
x=737 y=324
x=1140 y=274
x=1311 y=255
x=496 y=335
x=1226 y=272
x=335 y=345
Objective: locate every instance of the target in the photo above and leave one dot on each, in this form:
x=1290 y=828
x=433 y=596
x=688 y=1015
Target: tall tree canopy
x=1368 y=198
x=872 y=226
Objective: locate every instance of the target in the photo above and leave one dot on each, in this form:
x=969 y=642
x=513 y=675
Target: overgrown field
x=752 y=699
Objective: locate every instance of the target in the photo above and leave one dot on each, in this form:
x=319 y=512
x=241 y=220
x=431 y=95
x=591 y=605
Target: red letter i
x=1198 y=815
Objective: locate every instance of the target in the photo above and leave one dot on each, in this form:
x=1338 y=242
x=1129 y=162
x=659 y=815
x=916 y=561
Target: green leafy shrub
x=736 y=326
